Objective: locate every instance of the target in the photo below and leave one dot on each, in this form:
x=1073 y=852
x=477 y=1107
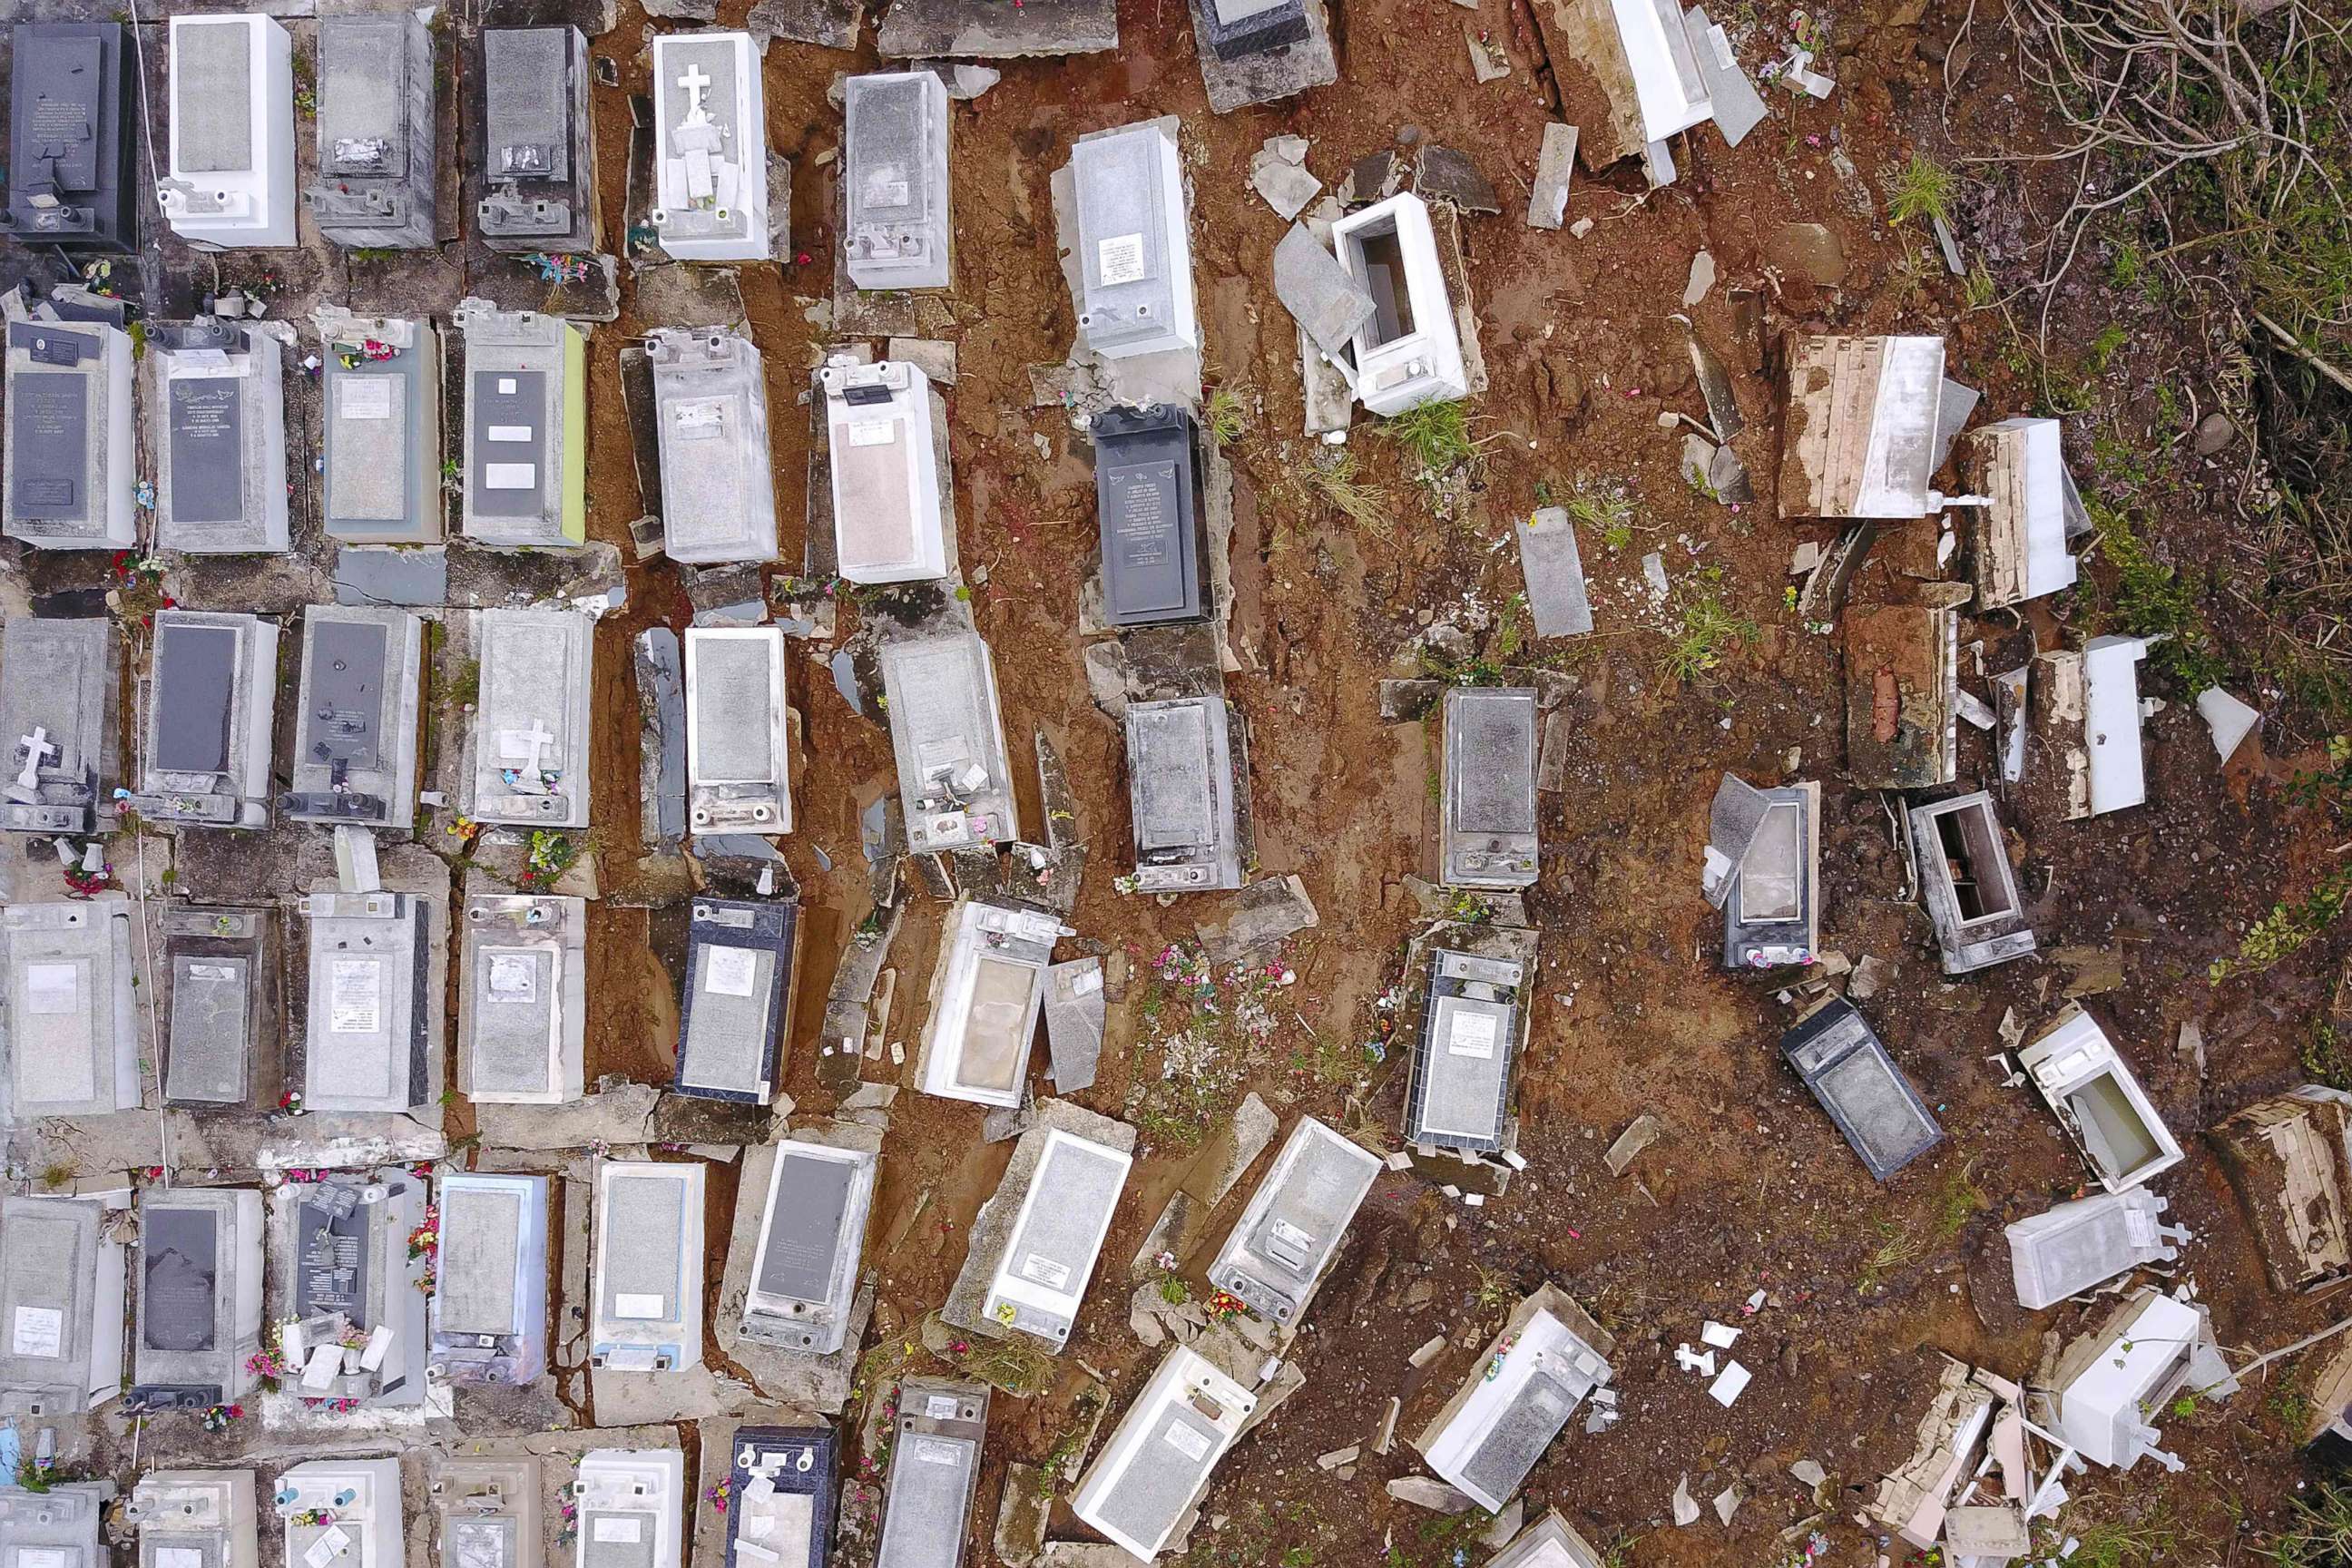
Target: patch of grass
x=1332 y=479
x=1921 y=189
x=1709 y=632
x=2129 y=268
x=1224 y=415
x=2111 y=341
x=2111 y=1543
x=57 y=1178
x=2154 y=599
x=465 y=686
x=1898 y=1245
x=1960 y=1201
x=1606 y=507
x=1494 y=1288
x=1978 y=290
x=2290 y=927
x=1436 y=435
x=2320 y=1530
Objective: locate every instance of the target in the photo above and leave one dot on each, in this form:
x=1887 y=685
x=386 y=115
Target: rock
x=1422 y=1492
x=1808 y=250
x=1285 y=183
x=1506 y=1523
x=1702 y=279
x=2214 y=432
x=1446 y=175
x=1555 y=166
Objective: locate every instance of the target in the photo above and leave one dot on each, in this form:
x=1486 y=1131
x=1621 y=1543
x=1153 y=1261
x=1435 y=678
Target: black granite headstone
x=69 y=174
x=1148 y=498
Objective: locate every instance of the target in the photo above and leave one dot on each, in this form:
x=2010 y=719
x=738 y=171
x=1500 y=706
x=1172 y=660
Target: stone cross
x=696 y=81
x=529 y=744
x=37 y=745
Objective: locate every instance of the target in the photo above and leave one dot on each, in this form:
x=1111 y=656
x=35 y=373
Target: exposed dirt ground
x=1751 y=1186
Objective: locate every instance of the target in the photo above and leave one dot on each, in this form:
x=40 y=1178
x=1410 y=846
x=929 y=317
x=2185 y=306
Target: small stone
x=2214 y=432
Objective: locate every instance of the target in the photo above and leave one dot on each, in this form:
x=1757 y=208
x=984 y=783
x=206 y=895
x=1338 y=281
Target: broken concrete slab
x=1489 y=61
x=981 y=29
x=392 y=575
x=1555 y=166
x=1644 y=1132
x=1262 y=913
x=1554 y=569
x=1809 y=251
x=1739 y=108
x=620 y=1113
x=828 y=23
x=935 y=357
x=2230 y=719
x=1281 y=179
x=1075 y=1011
x=1445 y=175
x=1422 y=1492
x=1329 y=306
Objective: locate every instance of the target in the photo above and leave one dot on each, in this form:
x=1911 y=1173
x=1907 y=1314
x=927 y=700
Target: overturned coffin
x=739 y=974
x=2020 y=550
x=955 y=785
x=356 y=1288
x=1549 y=1356
x=59 y=686
x=781 y=1497
x=2080 y=1246
x=895 y=178
x=220 y=966
x=530 y=745
x=200 y=1283
x=630 y=1501
x=71 y=137
x=231 y=180
x=1162 y=1452
x=377 y=162
x=647 y=1313
x=2086 y=706
x=710 y=148
x=1135 y=245
x=522 y=1004
x=1295 y=1222
x=373 y=1041
x=803 y=1276
x=381 y=396
x=888 y=522
x=1966 y=883
x=69 y=1036
x=926 y=1505
x=1488 y=811
x=490 y=1295
x=737 y=747
x=2110 y=1385
x=1860 y=425
x=710 y=404
x=1186 y=790
x=1407 y=352
x=1849 y=1069
x=1763 y=871
x=206 y=742
x=61 y=1308
x=526 y=462
x=2290 y=1159
x=355 y=723
x=1473 y=1023
x=2091 y=1089
x=340 y=1513
x=540 y=181
x=1147 y=500
x=985 y=997
x=69 y=462
x=207 y=1514
x=220 y=438
x=1903 y=683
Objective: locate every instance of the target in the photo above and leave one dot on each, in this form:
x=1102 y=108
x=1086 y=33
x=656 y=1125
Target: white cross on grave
x=529 y=744
x=696 y=81
x=37 y=745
